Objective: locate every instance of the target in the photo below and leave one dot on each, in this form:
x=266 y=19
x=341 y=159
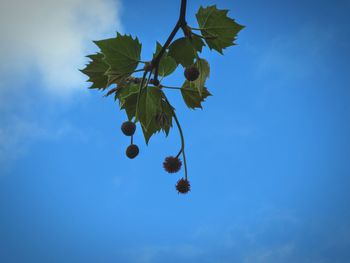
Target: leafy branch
x=143 y=97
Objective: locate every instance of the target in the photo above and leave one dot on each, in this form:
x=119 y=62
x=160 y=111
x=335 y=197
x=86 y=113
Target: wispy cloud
x=298 y=55
x=267 y=235
x=50 y=39
x=17 y=134
x=278 y=253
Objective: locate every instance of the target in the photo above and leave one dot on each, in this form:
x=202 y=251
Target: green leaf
x=204 y=71
x=129 y=104
x=167 y=64
x=167 y=113
x=125 y=91
x=149 y=105
x=161 y=121
x=183 y=51
x=122 y=54
x=116 y=79
x=123 y=85
x=191 y=95
x=153 y=128
x=127 y=96
x=95 y=70
x=154 y=113
x=215 y=23
x=197 y=43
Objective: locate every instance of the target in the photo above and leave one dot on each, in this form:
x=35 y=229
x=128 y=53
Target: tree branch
x=179 y=24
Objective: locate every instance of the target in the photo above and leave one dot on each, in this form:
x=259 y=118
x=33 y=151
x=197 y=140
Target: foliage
x=143 y=98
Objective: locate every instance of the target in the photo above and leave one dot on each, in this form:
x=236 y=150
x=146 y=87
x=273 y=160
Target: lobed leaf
x=197 y=43
x=95 y=70
x=127 y=96
x=204 y=71
x=192 y=97
x=168 y=112
x=122 y=54
x=161 y=121
x=183 y=51
x=167 y=64
x=154 y=115
x=149 y=105
x=219 y=30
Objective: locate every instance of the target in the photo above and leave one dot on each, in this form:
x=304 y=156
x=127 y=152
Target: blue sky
x=268 y=155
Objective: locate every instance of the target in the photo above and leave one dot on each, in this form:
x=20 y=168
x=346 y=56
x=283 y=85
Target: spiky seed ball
x=191 y=73
x=183 y=186
x=128 y=128
x=132 y=151
x=172 y=164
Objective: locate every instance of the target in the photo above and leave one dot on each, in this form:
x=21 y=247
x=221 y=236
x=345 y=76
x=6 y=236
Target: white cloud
x=52 y=38
x=45 y=42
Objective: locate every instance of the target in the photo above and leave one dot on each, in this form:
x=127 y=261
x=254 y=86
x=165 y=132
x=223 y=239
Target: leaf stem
x=182 y=150
x=205 y=30
x=178 y=88
x=200 y=36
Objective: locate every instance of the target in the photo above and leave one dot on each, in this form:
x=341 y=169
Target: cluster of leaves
x=119 y=58
x=115 y=67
